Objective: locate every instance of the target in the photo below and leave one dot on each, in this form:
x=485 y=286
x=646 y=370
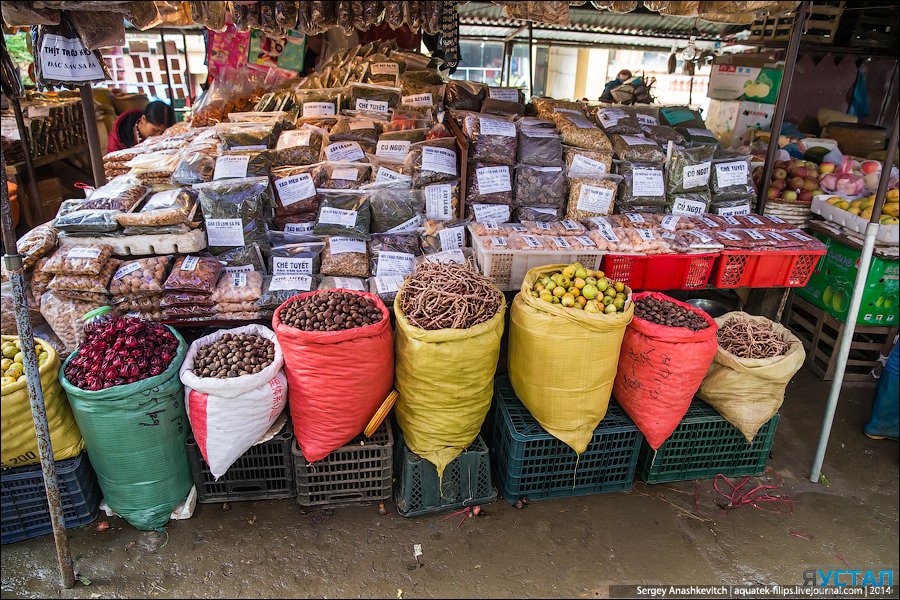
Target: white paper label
x=395 y=263
x=254 y=147
x=755 y=235
x=230 y=166
x=190 y=263
x=608 y=235
x=224 y=232
x=388 y=284
x=609 y=117
x=497 y=127
x=344 y=245
x=543 y=225
x=418 y=100
x=493 y=180
x=348 y=151
x=83 y=252
x=345 y=174
x=647 y=182
x=299 y=228
x=595 y=199
x=646 y=119
x=66 y=59
x=754 y=220
x=799 y=236
x=709 y=222
x=670 y=222
x=337 y=216
x=293 y=138
x=741 y=209
x=301 y=283
x=585 y=241
x=777 y=236
x=560 y=242
x=498 y=213
x=491 y=225
x=395 y=150
x=126 y=270
x=668 y=236
x=318 y=109
x=601 y=223
x=532 y=242
x=704 y=239
x=361 y=123
x=580 y=121
x=285 y=265
x=295 y=188
x=449 y=256
x=570 y=225
x=238 y=280
x=516 y=228
x=452 y=238
x=372 y=105
x=439 y=202
x=636 y=140
x=566 y=111
x=384 y=68
x=505 y=94
x=439 y=160
x=730 y=220
x=775 y=219
x=384 y=174
x=685 y=206
x=38 y=112
x=646 y=234
x=408 y=226
x=729 y=236
x=239 y=269
x=586 y=168
x=350 y=283
x=635 y=218
x=732 y=173
x=694 y=176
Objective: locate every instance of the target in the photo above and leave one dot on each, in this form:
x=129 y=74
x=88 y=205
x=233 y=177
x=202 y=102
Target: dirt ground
x=571 y=547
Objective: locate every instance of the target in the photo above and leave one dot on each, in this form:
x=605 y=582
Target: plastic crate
x=466 y=482
x=660 y=271
x=25 y=512
x=507 y=268
x=529 y=462
x=358 y=473
x=765 y=268
x=264 y=472
x=704 y=445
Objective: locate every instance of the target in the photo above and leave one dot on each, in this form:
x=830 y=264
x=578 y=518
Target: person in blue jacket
x=623 y=76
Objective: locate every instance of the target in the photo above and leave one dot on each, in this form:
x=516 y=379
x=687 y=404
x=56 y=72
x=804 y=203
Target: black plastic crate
x=705 y=445
x=25 y=511
x=264 y=472
x=359 y=473
x=531 y=463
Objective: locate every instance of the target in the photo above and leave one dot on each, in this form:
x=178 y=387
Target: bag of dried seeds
x=492 y=139
x=345 y=151
x=489 y=184
x=345 y=257
x=433 y=161
x=539 y=185
x=579 y=131
x=539 y=146
x=642 y=188
x=637 y=148
x=591 y=197
x=242 y=163
x=539 y=213
x=299 y=146
x=395 y=207
x=587 y=164
x=343 y=213
x=618 y=120
x=78 y=260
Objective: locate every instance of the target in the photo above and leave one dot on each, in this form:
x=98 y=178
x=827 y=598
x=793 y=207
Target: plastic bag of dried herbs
x=387 y=171
x=489 y=184
x=692 y=204
x=319 y=103
x=441 y=201
x=539 y=146
x=539 y=213
x=589 y=198
x=545 y=108
x=343 y=213
x=382 y=70
x=637 y=148
x=539 y=185
x=248 y=257
x=344 y=257
x=433 y=161
x=646 y=114
x=235 y=212
x=420 y=94
x=395 y=207
x=663 y=134
x=342 y=175
x=278 y=289
x=577 y=130
x=465 y=95
x=642 y=188
x=443 y=236
x=295 y=189
x=239 y=164
x=394 y=145
x=294 y=254
x=698 y=136
x=730 y=178
x=299 y=146
x=345 y=151
x=247 y=136
x=619 y=120
x=492 y=106
x=194 y=167
x=361 y=128
x=688 y=170
x=582 y=163
x=493 y=139
x=374 y=98
x=393 y=254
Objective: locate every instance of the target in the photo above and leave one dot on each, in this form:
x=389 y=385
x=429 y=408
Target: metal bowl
x=711 y=307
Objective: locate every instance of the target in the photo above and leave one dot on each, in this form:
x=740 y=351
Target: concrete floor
x=571 y=547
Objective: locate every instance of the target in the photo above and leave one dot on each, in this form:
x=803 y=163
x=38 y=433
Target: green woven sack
x=135 y=435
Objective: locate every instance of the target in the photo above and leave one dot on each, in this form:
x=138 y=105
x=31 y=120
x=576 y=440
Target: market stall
x=363 y=229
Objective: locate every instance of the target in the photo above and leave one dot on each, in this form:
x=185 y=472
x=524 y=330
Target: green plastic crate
x=704 y=445
x=529 y=462
x=466 y=482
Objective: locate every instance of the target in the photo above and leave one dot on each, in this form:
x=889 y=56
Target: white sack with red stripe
x=229 y=415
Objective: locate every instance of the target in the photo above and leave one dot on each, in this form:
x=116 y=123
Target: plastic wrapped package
x=382 y=70
x=539 y=186
x=642 y=188
x=86 y=283
x=63 y=40
x=419 y=94
x=688 y=170
x=631 y=241
x=363 y=129
x=35 y=244
x=539 y=213
x=238 y=288
x=492 y=139
x=319 y=102
x=698 y=136
x=591 y=197
x=386 y=287
x=40 y=279
x=737 y=206
x=577 y=130
x=637 y=148
x=212 y=14
x=194 y=274
x=389 y=171
x=582 y=163
x=441 y=200
x=546 y=108
x=663 y=134
x=120 y=193
x=278 y=289
x=433 y=161
x=247 y=135
x=138 y=304
x=680 y=116
x=374 y=98
x=539 y=146
x=617 y=120
x=295 y=189
x=393 y=254
x=489 y=184
x=24 y=14
x=346 y=151
x=343 y=213
x=78 y=260
x=344 y=257
x=692 y=204
x=492 y=106
x=239 y=164
x=243 y=259
x=294 y=254
x=235 y=212
x=730 y=178
x=171 y=207
x=465 y=95
x=343 y=175
x=64 y=317
x=301 y=146
x=171 y=299
x=88 y=221
x=347 y=283
x=443 y=236
x=188 y=312
x=99 y=29
x=395 y=208
x=194 y=167
x=691 y=240
x=140 y=277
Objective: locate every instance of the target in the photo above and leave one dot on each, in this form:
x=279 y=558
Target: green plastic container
x=529 y=462
x=705 y=445
x=466 y=482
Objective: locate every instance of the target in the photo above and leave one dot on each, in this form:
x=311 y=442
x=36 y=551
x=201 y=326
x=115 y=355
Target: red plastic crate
x=765 y=268
x=660 y=271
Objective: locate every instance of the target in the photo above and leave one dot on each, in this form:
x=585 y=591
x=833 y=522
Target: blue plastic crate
x=25 y=512
x=703 y=445
x=529 y=462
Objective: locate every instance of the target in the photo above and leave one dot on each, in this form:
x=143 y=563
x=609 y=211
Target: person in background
x=134 y=126
x=623 y=76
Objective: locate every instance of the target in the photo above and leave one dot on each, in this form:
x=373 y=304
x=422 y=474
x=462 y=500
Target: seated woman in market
x=134 y=126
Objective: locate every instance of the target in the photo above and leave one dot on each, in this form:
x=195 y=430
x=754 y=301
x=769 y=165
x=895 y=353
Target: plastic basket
x=660 y=271
x=704 y=445
x=507 y=268
x=466 y=482
x=358 y=473
x=264 y=472
x=25 y=511
x=765 y=268
x=529 y=462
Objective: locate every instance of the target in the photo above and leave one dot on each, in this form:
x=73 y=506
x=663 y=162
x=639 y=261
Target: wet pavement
x=575 y=547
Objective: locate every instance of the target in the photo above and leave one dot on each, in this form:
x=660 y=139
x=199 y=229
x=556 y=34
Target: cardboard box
x=733 y=121
x=831 y=285
x=50 y=191
x=738 y=77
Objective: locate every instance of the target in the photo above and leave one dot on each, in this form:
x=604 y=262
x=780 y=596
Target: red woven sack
x=660 y=370
x=336 y=379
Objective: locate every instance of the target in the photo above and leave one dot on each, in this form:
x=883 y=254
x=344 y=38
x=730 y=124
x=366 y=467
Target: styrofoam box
x=887 y=234
x=507 y=268
x=146 y=245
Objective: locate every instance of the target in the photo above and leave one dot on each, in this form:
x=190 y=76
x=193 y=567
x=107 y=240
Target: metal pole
x=843 y=350
x=530 y=58
x=162 y=38
x=13 y=263
x=93 y=136
x=790 y=63
x=33 y=198
x=187 y=71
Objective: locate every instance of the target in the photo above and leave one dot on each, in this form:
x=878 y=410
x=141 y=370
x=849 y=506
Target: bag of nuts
x=493 y=139
x=591 y=197
x=489 y=184
x=78 y=260
x=238 y=287
x=539 y=185
x=86 y=283
x=345 y=257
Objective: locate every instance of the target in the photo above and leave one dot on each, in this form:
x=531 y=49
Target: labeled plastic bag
x=642 y=188
x=235 y=212
x=62 y=59
x=343 y=213
x=395 y=208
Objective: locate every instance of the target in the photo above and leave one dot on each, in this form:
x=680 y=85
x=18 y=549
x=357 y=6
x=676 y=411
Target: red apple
x=795 y=183
x=870 y=166
x=826 y=168
x=779 y=164
x=778 y=184
x=805 y=196
x=801 y=172
x=773 y=193
x=789 y=195
x=779 y=174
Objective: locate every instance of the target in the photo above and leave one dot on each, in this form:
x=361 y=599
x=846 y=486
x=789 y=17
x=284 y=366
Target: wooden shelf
x=19 y=167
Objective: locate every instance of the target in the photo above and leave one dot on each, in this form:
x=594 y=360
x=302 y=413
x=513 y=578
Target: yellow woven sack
x=445 y=379
x=17 y=436
x=562 y=362
x=748 y=392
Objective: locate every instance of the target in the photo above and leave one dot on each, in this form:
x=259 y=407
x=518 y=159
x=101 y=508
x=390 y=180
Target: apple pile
x=794 y=181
